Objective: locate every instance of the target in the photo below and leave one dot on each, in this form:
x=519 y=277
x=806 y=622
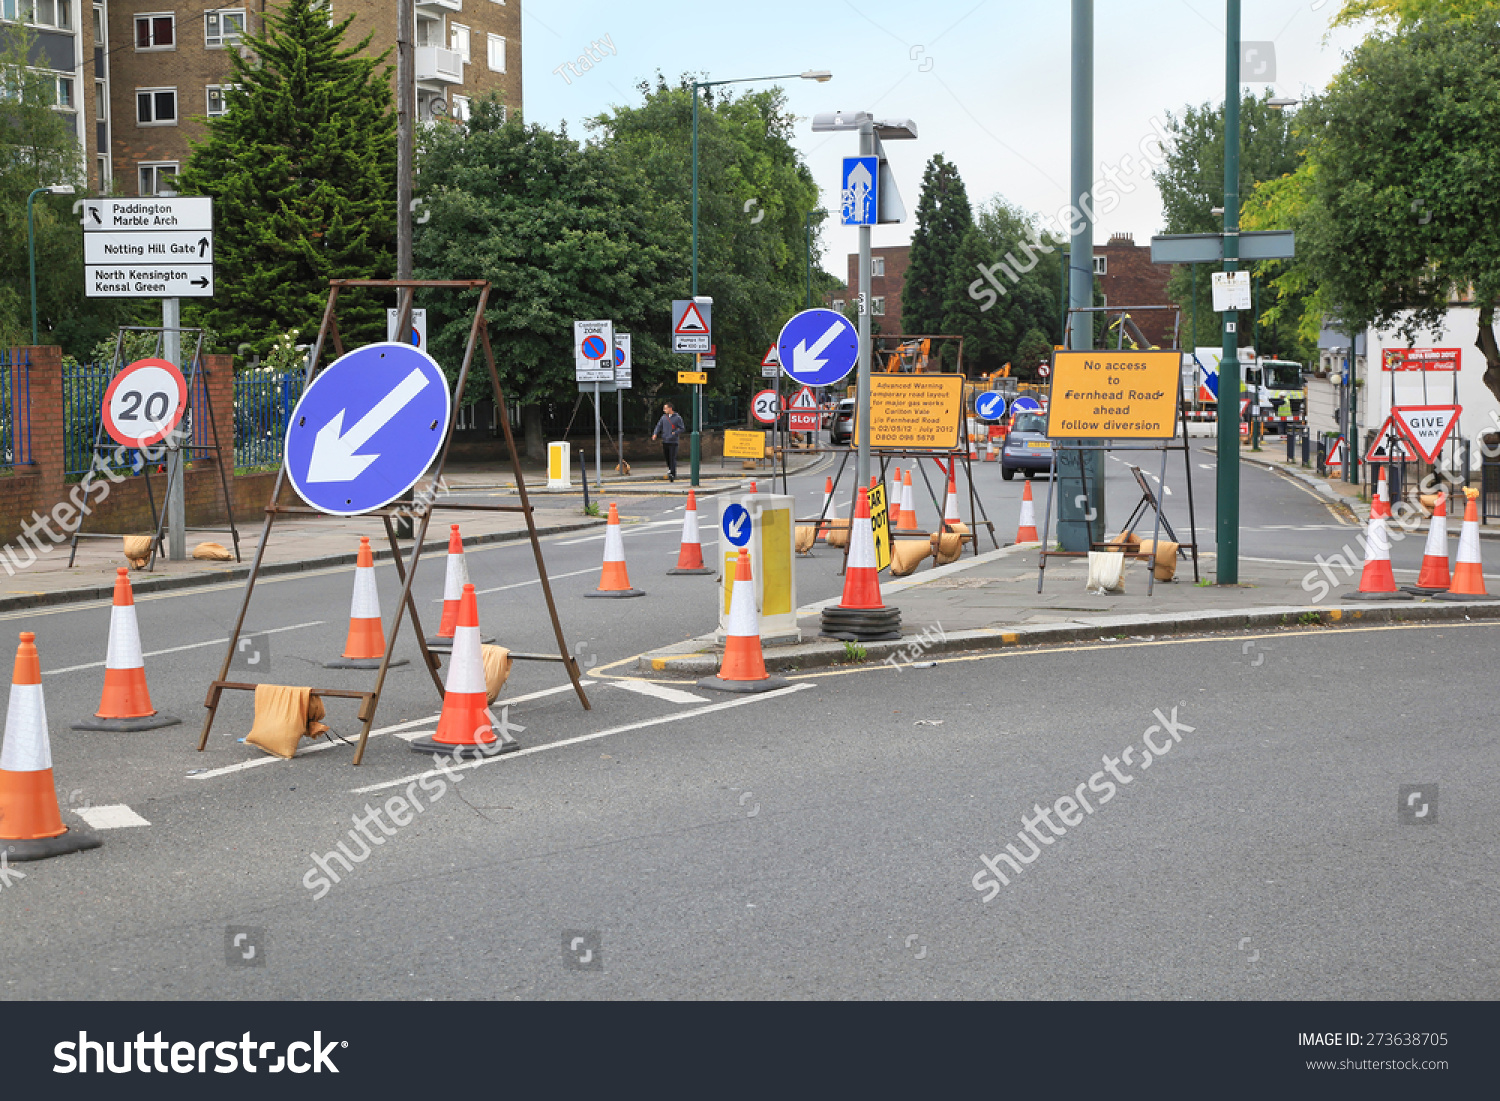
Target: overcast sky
x=986 y=82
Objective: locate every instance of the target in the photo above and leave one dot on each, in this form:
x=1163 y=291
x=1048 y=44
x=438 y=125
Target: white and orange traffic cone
x=613 y=578
x=31 y=825
x=1376 y=582
x=125 y=703
x=455 y=577
x=743 y=668
x=828 y=512
x=951 y=519
x=990 y=453
x=860 y=616
x=1468 y=571
x=1435 y=577
x=690 y=555
x=906 y=519
x=466 y=728
x=1026 y=529
x=365 y=646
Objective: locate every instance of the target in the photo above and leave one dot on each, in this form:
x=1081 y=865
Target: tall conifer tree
x=943 y=219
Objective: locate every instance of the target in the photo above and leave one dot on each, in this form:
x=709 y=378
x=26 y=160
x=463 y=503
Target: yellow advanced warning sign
x=880 y=525
x=1120 y=395
x=915 y=412
x=744 y=445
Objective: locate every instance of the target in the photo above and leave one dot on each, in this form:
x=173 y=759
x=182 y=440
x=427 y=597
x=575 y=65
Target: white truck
x=1278 y=394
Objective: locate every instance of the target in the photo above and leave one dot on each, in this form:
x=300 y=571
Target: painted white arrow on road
x=333 y=453
x=807 y=360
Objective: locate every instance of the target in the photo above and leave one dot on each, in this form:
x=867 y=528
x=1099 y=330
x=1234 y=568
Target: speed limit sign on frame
x=765 y=406
x=144 y=402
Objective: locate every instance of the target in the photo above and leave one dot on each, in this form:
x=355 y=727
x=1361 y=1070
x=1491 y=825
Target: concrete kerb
x=241 y=572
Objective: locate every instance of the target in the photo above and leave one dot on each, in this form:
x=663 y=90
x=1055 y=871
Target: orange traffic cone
x=828 y=511
x=31 y=825
x=613 y=579
x=1376 y=582
x=1435 y=577
x=1026 y=530
x=126 y=701
x=365 y=646
x=951 y=519
x=466 y=728
x=990 y=452
x=690 y=556
x=744 y=666
x=1468 y=571
x=455 y=577
x=906 y=520
x=860 y=616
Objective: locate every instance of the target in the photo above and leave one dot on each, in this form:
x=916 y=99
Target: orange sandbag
x=1166 y=558
x=283 y=717
x=838 y=532
x=949 y=546
x=907 y=555
x=497 y=665
x=138 y=550
x=807 y=535
x=213 y=552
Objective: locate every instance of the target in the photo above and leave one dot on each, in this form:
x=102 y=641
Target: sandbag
x=1106 y=572
x=907 y=555
x=949 y=546
x=283 y=717
x=1166 y=558
x=1129 y=540
x=838 y=532
x=497 y=665
x=807 y=535
x=213 y=552
x=138 y=550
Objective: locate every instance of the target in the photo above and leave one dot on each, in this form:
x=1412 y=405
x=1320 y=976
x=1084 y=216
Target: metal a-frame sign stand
x=1148 y=500
x=406 y=571
x=197 y=373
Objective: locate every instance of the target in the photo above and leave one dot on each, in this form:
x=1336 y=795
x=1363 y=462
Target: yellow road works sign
x=1120 y=395
x=744 y=445
x=915 y=412
x=700 y=377
x=880 y=524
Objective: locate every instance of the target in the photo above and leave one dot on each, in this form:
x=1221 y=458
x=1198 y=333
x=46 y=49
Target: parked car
x=1027 y=447
x=841 y=431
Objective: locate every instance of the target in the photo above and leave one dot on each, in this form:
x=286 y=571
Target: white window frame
x=458 y=40
x=156 y=168
x=225 y=38
x=150 y=17
x=490 y=52
x=25 y=11
x=877 y=305
x=153 y=93
x=57 y=102
x=838 y=304
x=208 y=98
x=1101 y=265
x=101 y=101
x=877 y=267
x=460 y=109
x=101 y=26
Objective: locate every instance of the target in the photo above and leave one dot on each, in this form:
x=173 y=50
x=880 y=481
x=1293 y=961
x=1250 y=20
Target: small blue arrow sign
x=859 y=187
x=818 y=347
x=1025 y=404
x=737 y=525
x=990 y=406
x=366 y=428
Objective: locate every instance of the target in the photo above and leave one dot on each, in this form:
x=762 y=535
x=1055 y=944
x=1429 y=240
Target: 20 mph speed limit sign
x=765 y=407
x=144 y=402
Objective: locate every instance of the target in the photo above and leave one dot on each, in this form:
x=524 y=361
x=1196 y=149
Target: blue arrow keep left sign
x=737 y=525
x=990 y=406
x=818 y=347
x=366 y=428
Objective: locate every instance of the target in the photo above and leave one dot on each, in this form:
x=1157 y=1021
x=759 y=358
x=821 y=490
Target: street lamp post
x=55 y=189
x=1227 y=567
x=821 y=76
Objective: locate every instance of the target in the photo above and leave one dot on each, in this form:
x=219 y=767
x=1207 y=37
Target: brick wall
x=888 y=286
x=1131 y=279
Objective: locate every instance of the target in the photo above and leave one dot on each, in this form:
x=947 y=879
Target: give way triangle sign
x=1426 y=426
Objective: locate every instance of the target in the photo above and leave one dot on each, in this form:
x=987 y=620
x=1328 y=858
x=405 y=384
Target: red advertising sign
x=1422 y=359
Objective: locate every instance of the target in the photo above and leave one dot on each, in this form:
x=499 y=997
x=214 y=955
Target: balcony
x=439 y=65
x=447 y=5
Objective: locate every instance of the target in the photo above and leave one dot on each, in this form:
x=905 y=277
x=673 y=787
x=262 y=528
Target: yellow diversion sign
x=1119 y=395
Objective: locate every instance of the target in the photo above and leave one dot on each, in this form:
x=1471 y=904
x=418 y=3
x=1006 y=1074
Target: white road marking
x=632 y=529
x=533 y=581
x=115 y=817
x=659 y=691
x=189 y=646
x=740 y=702
x=317 y=747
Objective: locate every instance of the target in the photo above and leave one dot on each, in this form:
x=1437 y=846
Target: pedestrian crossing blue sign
x=859 y=186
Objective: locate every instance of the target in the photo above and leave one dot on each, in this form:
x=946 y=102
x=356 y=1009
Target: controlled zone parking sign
x=367 y=427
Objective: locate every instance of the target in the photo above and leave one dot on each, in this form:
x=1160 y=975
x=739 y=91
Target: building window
x=877 y=267
x=158 y=176
x=877 y=305
x=155 y=32
x=41 y=13
x=64 y=99
x=460 y=108
x=223 y=28
x=102 y=161
x=100 y=37
x=156 y=106
x=838 y=304
x=1101 y=265
x=497 y=54
x=101 y=101
x=216 y=100
x=458 y=40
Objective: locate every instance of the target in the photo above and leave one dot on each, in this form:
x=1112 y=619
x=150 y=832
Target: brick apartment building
x=1127 y=277
x=136 y=77
x=887 y=276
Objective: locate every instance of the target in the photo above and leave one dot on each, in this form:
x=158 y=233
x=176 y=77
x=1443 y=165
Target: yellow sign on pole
x=1114 y=395
x=915 y=412
x=744 y=445
x=880 y=524
x=698 y=377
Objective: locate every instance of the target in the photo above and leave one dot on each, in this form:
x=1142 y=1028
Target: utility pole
x=1228 y=474
x=406 y=109
x=862 y=392
x=171 y=324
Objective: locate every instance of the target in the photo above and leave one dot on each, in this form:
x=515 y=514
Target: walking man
x=670 y=429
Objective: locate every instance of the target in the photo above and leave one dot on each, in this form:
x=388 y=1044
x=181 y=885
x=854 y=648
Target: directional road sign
x=1208 y=248
x=692 y=324
x=692 y=378
x=818 y=347
x=144 y=402
x=593 y=351
x=737 y=525
x=858 y=188
x=765 y=406
x=366 y=428
x=623 y=363
x=990 y=406
x=1026 y=404
x=152 y=214
x=148 y=248
x=148 y=281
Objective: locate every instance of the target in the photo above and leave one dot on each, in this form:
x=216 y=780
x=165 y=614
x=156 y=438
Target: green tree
x=1406 y=12
x=302 y=170
x=563 y=232
x=943 y=218
x=1033 y=349
x=1191 y=184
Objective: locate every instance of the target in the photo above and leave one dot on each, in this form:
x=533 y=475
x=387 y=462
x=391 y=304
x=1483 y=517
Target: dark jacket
x=669 y=427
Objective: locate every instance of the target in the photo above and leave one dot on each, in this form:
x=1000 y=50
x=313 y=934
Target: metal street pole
x=406 y=109
x=1228 y=476
x=31 y=248
x=862 y=395
x=695 y=444
x=171 y=323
